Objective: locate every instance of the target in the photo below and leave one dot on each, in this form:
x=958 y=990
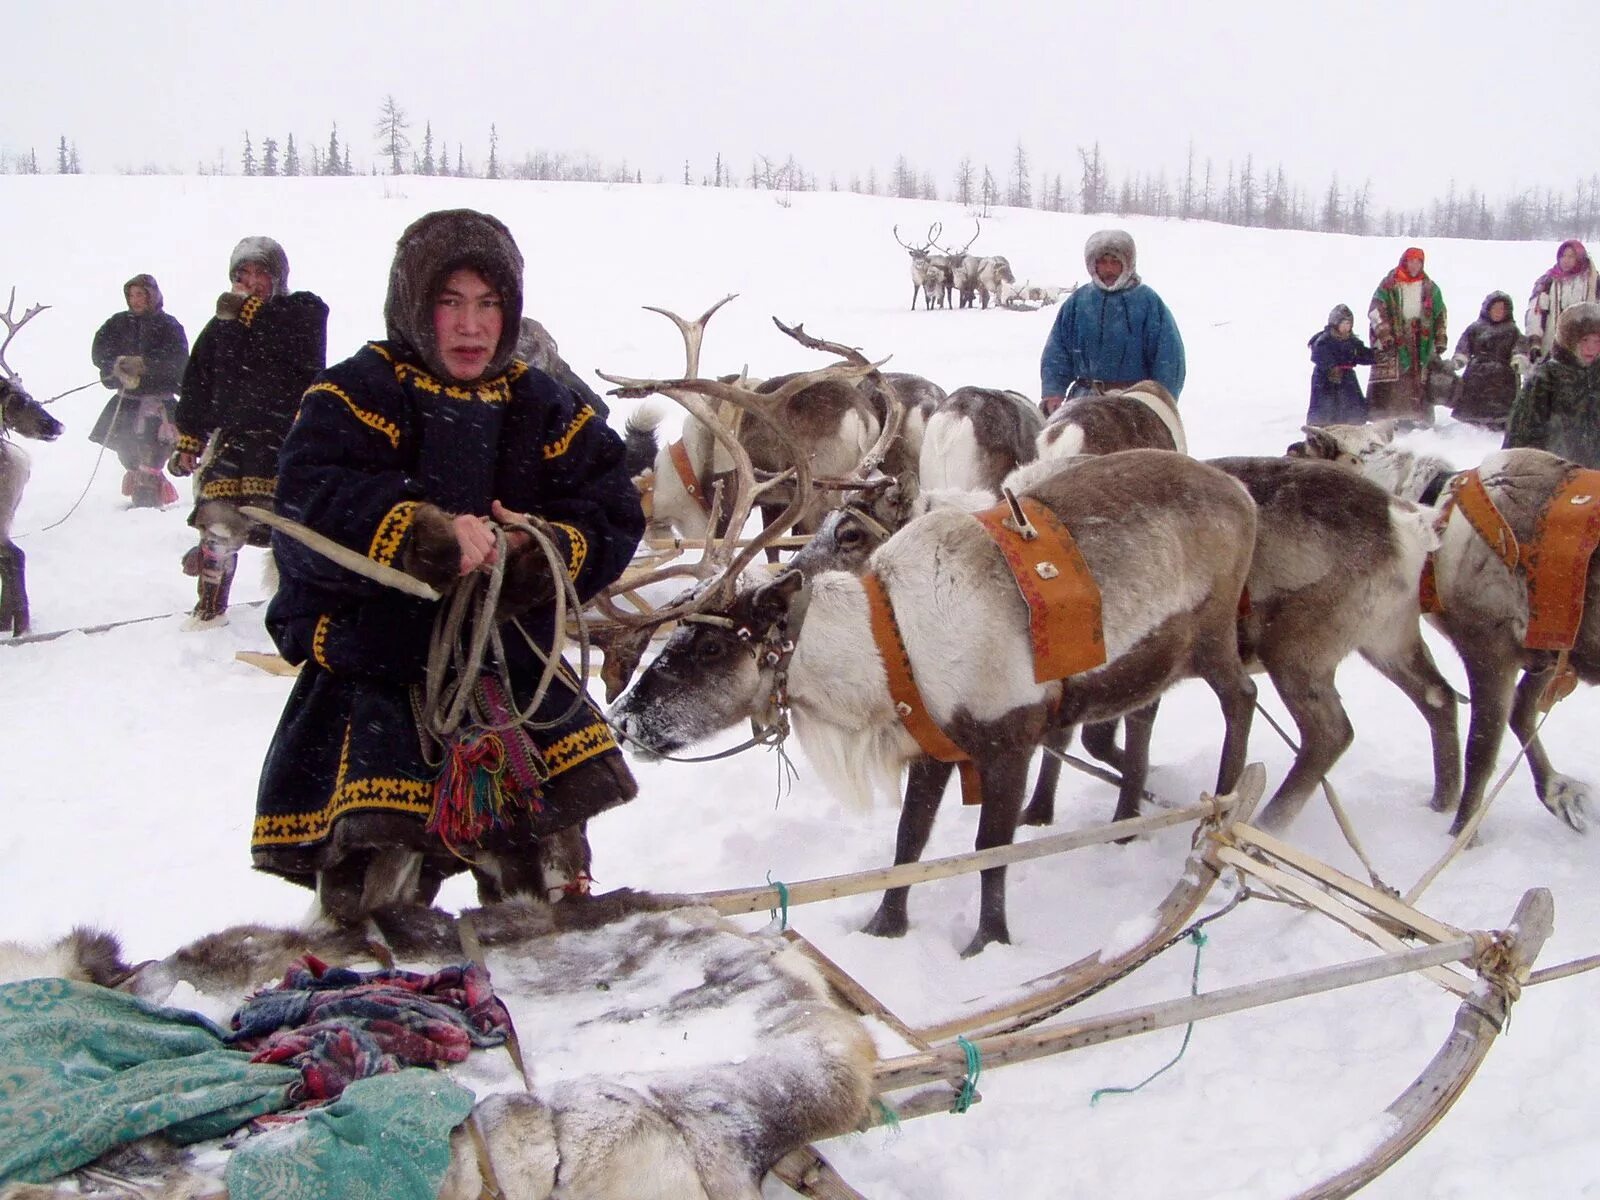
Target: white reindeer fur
x=1167 y=413
x=950 y=457
x=1396 y=469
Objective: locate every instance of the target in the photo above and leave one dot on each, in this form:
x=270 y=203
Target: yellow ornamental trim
x=319 y=642
x=579 y=746
x=577 y=547
x=380 y=792
x=251 y=307
x=559 y=447
x=188 y=444
x=380 y=351
x=233 y=489
x=388 y=428
x=391 y=532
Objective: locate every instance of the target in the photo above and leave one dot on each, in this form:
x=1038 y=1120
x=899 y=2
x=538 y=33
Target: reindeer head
x=850 y=533
x=716 y=669
x=20 y=412
x=1350 y=445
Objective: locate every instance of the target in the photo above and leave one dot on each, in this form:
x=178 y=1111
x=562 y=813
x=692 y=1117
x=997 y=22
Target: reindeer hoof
x=887 y=925
x=1038 y=814
x=1443 y=804
x=1568 y=798
x=981 y=939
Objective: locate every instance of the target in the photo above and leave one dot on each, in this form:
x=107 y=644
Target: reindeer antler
x=12 y=326
x=693 y=333
x=895 y=406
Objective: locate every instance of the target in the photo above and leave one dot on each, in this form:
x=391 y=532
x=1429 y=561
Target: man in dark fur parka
x=403 y=453
x=250 y=365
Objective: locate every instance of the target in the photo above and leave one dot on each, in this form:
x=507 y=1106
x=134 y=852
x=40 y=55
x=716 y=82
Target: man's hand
x=516 y=539
x=183 y=462
x=475 y=539
x=1050 y=404
x=128 y=370
x=231 y=304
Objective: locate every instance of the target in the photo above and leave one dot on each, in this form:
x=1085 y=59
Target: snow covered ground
x=130 y=757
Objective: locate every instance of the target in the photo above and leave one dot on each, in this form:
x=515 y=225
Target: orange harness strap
x=1558 y=562
x=1480 y=511
x=691 y=482
x=907 y=697
x=1064 y=619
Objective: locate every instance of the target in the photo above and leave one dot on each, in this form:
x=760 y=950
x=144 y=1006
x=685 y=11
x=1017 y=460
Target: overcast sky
x=1408 y=95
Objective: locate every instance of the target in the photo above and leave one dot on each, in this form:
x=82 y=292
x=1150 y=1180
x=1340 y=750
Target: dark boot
x=216 y=580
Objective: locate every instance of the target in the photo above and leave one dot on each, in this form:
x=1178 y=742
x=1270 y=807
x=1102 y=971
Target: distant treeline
x=1230 y=192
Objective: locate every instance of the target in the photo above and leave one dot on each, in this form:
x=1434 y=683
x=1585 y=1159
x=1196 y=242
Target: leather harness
x=1064 y=616
x=679 y=454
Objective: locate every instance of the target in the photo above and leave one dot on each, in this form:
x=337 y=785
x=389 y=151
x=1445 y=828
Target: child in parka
x=1336 y=397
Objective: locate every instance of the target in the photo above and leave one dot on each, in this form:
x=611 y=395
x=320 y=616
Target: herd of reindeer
x=954 y=277
x=1213 y=570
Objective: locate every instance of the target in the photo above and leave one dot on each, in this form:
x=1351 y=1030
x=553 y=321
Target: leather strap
x=907 y=697
x=1557 y=562
x=1480 y=511
x=1064 y=618
x=679 y=454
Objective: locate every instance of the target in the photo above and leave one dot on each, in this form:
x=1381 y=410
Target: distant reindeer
x=927 y=276
x=20 y=413
x=980 y=277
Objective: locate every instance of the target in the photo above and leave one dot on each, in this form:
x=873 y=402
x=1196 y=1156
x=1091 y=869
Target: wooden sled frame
x=927 y=1080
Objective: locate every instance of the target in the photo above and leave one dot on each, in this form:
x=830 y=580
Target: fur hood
x=1488 y=303
x=428 y=251
x=1117 y=242
x=267 y=252
x=1338 y=313
x=1577 y=323
x=149 y=284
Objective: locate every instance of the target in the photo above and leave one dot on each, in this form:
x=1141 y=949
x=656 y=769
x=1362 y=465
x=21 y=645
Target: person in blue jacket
x=1113 y=333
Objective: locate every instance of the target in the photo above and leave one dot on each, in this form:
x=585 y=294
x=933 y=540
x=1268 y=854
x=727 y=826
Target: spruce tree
x=269 y=156
x=249 y=155
x=331 y=164
x=61 y=156
x=494 y=163
x=291 y=158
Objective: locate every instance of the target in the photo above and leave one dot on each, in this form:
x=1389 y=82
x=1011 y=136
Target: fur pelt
x=748 y=1056
x=268 y=253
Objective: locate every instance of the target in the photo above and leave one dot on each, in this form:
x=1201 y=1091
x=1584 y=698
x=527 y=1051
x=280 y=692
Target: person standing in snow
x=1112 y=334
x=1485 y=356
x=1336 y=397
x=250 y=366
x=1558 y=408
x=140 y=354
x=1573 y=280
x=1407 y=318
x=404 y=453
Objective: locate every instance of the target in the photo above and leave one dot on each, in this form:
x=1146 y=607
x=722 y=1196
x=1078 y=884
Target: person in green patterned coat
x=403 y=453
x=1407 y=320
x=1558 y=408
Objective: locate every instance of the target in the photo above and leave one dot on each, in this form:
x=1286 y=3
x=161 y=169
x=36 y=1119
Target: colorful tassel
x=470 y=796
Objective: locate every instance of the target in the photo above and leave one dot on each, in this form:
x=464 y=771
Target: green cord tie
x=1198 y=937
x=968 y=1092
x=781 y=913
x=887 y=1117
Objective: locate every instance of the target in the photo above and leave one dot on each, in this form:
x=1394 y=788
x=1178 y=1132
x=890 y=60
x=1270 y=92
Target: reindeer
x=1370 y=449
x=964 y=269
x=926 y=275
x=977 y=437
x=19 y=413
x=832 y=423
x=1168 y=541
x=1484 y=611
x=1144 y=415
x=994 y=273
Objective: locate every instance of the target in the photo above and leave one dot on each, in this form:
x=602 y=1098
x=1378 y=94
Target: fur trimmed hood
x=1488 y=303
x=1116 y=242
x=149 y=284
x=267 y=252
x=1338 y=313
x=1577 y=323
x=428 y=251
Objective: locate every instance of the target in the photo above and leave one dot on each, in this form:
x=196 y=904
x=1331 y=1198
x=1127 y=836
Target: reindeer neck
x=836 y=675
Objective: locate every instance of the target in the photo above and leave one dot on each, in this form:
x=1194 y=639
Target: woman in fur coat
x=1336 y=397
x=141 y=354
x=1407 y=318
x=1484 y=356
x=1572 y=280
x=404 y=453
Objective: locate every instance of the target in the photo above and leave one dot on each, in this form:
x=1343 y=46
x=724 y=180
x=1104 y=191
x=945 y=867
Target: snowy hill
x=131 y=756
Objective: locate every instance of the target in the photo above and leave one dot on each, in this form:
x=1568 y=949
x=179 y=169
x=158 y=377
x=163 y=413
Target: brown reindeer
x=21 y=414
x=1484 y=610
x=1168 y=541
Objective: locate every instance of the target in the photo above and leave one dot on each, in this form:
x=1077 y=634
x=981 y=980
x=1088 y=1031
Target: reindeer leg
x=1491 y=680
x=13 y=589
x=1100 y=739
x=1139 y=725
x=1041 y=808
x=1419 y=678
x=1236 y=694
x=925 y=783
x=1563 y=795
x=1325 y=734
x=1005 y=776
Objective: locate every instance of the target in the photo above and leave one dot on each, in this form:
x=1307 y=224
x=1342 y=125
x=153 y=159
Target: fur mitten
x=181 y=463
x=527 y=584
x=128 y=369
x=431 y=551
x=230 y=305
